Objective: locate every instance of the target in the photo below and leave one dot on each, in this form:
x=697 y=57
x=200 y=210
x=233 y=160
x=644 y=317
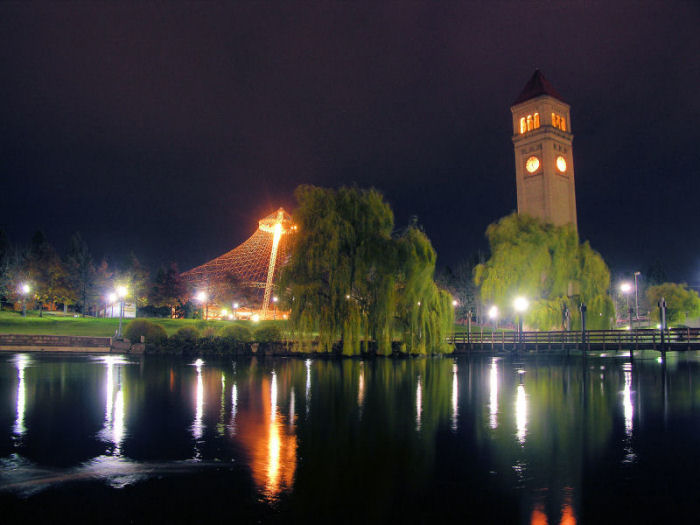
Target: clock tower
x=544 y=167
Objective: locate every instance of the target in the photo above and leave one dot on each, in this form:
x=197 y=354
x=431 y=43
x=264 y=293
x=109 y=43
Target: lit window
x=523 y=128
x=529 y=122
x=537 y=120
x=563 y=124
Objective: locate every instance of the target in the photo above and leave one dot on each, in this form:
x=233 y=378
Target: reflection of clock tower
x=544 y=167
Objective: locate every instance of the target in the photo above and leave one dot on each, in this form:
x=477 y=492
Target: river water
x=484 y=440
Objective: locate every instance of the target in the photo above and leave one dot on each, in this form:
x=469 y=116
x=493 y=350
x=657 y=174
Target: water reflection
x=455 y=398
x=547 y=435
x=220 y=426
x=361 y=387
x=234 y=408
x=419 y=403
x=198 y=425
x=493 y=394
x=308 y=385
x=628 y=411
x=521 y=413
x=114 y=427
x=271 y=446
x=21 y=362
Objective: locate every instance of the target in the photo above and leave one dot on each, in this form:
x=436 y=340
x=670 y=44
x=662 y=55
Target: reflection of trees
x=361 y=432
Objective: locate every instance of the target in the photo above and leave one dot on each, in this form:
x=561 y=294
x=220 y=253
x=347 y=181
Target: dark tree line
x=75 y=281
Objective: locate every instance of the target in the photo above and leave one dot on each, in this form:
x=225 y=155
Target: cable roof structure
x=256 y=263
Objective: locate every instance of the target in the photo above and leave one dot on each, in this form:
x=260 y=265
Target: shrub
x=268 y=334
x=209 y=332
x=237 y=333
x=154 y=334
x=188 y=334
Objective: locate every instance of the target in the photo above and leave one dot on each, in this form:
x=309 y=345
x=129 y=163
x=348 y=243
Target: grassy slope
x=13 y=323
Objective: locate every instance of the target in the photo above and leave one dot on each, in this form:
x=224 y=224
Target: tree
x=135 y=277
x=168 y=289
x=47 y=274
x=681 y=302
x=351 y=281
x=81 y=271
x=459 y=281
x=548 y=265
x=5 y=265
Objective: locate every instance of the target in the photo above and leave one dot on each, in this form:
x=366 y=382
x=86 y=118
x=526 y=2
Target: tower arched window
x=529 y=122
x=523 y=126
x=563 y=124
x=536 y=120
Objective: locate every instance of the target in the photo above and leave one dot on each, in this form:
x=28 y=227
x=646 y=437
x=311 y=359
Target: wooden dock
x=676 y=339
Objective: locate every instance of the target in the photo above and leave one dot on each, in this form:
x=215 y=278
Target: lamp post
x=274 y=309
x=636 y=296
x=202 y=298
x=626 y=288
x=235 y=310
x=121 y=293
x=493 y=315
x=24 y=289
x=520 y=304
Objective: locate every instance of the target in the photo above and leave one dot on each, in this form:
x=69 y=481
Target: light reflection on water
x=21 y=362
x=533 y=431
x=493 y=394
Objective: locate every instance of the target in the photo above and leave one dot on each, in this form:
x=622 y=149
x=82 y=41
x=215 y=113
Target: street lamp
x=24 y=289
x=235 y=310
x=626 y=288
x=111 y=299
x=493 y=315
x=121 y=293
x=520 y=304
x=636 y=296
x=202 y=298
x=274 y=311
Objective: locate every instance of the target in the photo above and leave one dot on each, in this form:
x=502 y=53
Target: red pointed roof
x=536 y=86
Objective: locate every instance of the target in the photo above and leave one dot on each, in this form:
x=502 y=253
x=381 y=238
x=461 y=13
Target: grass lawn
x=52 y=324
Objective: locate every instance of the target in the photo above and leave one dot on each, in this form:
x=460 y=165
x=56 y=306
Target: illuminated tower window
x=563 y=124
x=523 y=126
x=537 y=120
x=529 y=122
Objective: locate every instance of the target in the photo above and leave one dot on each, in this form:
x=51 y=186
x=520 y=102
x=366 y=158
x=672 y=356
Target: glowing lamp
x=235 y=305
x=274 y=299
x=454 y=302
x=493 y=312
x=201 y=296
x=25 y=288
x=224 y=312
x=255 y=318
x=625 y=287
x=121 y=291
x=520 y=304
x=112 y=298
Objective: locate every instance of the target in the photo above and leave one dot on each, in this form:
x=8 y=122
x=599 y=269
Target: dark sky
x=170 y=129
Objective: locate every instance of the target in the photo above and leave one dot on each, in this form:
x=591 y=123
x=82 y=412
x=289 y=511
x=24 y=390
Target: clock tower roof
x=535 y=87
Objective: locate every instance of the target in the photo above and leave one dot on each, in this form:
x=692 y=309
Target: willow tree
x=350 y=280
x=549 y=265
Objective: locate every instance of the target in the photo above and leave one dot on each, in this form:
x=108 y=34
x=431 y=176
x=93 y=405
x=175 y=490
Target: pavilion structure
x=255 y=264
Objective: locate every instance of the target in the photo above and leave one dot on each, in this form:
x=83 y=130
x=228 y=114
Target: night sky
x=171 y=129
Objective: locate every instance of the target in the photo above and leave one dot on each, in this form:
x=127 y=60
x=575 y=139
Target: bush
x=154 y=334
x=184 y=340
x=237 y=333
x=268 y=334
x=186 y=334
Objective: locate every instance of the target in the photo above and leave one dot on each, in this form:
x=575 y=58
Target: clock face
x=561 y=164
x=532 y=164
